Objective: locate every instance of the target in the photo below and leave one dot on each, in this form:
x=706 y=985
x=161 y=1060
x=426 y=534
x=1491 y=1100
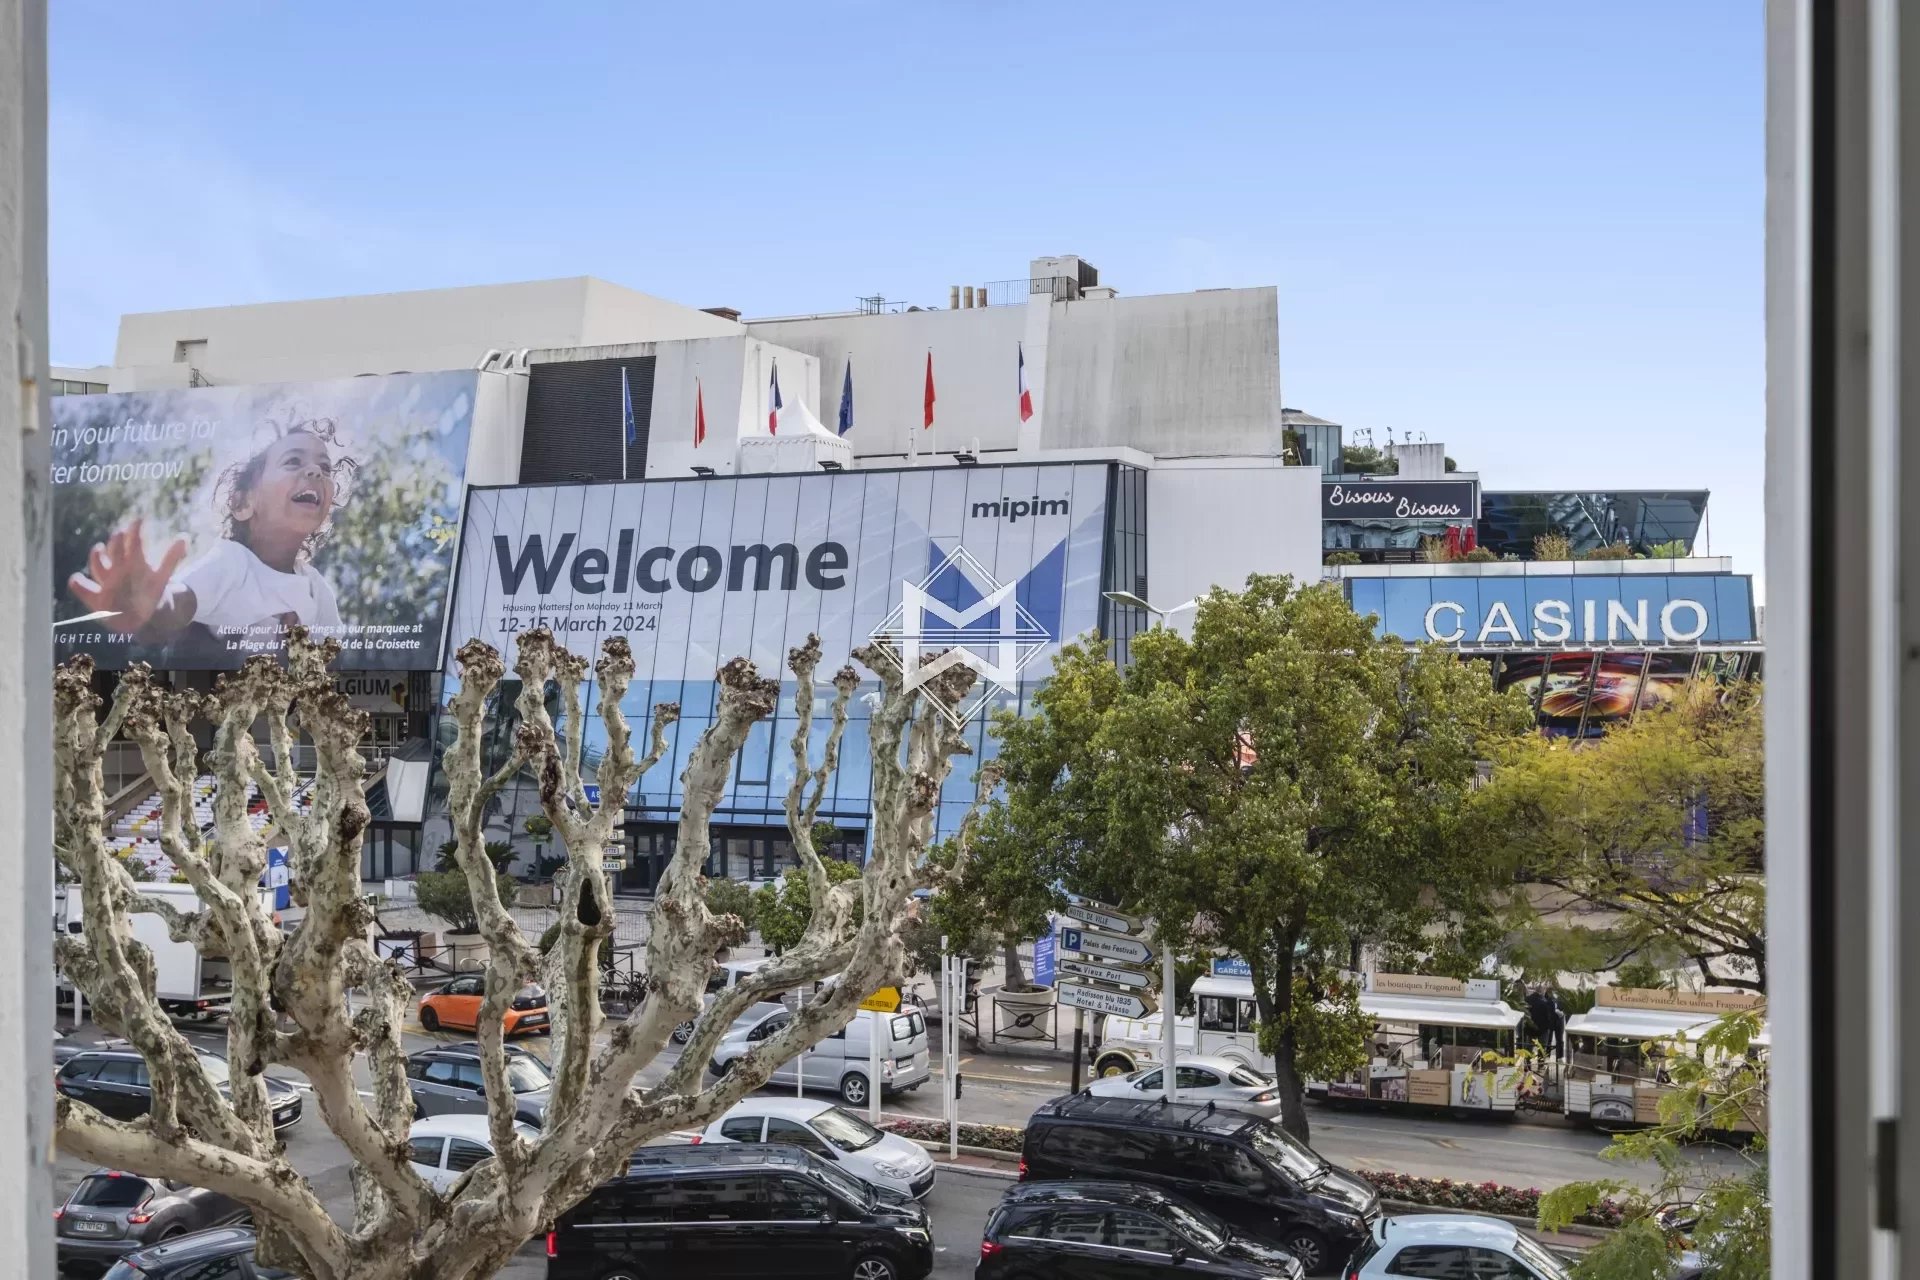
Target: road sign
x=1119 y=1004
x=1108 y=946
x=885 y=1000
x=593 y=791
x=1106 y=973
x=1043 y=960
x=1231 y=967
x=1102 y=916
x=613 y=864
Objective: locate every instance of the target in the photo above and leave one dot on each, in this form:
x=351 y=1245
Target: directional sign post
x=882 y=1002
x=1119 y=1004
x=1102 y=916
x=1106 y=946
x=1134 y=978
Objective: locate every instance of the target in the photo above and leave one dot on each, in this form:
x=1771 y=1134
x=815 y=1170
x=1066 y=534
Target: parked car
x=456 y=1006
x=442 y=1148
x=877 y=1158
x=839 y=1062
x=446 y=1080
x=737 y=1210
x=112 y=1213
x=726 y=974
x=1246 y=1170
x=225 y=1253
x=1219 y=1080
x=1094 y=1230
x=66 y=1048
x=1444 y=1245
x=115 y=1083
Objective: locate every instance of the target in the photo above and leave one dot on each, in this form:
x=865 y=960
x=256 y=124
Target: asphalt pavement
x=1005 y=1090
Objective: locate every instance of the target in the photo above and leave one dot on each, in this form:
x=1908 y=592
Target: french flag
x=773 y=414
x=1026 y=395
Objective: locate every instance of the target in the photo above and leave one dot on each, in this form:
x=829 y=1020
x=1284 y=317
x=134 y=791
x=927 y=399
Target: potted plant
x=444 y=895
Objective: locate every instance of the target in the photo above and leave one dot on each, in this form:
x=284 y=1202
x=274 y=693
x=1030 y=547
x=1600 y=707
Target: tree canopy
x=1655 y=834
x=1283 y=786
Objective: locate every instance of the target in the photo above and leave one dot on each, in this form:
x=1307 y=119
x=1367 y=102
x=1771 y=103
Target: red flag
x=929 y=422
x=699 y=415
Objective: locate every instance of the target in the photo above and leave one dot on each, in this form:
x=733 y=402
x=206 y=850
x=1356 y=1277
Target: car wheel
x=853 y=1092
x=419 y=1112
x=719 y=1069
x=683 y=1033
x=171 y=1233
x=1308 y=1248
x=429 y=1020
x=621 y=1273
x=1107 y=1068
x=875 y=1267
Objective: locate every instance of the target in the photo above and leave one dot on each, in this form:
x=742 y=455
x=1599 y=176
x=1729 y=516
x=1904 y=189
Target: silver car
x=1200 y=1079
x=446 y=1080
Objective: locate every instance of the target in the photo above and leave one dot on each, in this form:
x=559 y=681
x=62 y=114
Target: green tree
x=782 y=909
x=1003 y=898
x=445 y=895
x=1658 y=827
x=1726 y=1218
x=1281 y=786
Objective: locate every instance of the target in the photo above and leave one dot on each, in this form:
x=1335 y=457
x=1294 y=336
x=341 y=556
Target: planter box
x=464 y=952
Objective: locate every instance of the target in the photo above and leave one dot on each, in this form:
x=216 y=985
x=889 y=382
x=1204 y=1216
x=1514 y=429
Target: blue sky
x=1531 y=231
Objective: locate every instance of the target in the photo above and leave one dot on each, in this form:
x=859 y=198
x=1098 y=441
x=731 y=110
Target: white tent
x=802 y=445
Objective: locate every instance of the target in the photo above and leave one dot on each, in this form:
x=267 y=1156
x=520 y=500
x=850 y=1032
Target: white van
x=840 y=1062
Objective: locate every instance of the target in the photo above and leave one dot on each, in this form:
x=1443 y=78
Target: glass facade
x=1510 y=521
x=1058 y=535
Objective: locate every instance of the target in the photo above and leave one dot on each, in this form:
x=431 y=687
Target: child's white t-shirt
x=234 y=590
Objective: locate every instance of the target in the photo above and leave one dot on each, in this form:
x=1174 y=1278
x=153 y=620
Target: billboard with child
x=193 y=526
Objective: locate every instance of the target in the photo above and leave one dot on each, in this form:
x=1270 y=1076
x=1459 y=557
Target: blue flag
x=626 y=408
x=846 y=401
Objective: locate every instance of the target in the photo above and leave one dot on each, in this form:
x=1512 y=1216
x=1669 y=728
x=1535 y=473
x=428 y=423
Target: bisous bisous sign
x=1391 y=499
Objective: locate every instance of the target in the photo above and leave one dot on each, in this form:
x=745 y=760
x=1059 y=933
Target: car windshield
x=845 y=1130
x=1539 y=1259
x=527 y=1075
x=216 y=1068
x=106 y=1192
x=851 y=1189
x=1287 y=1153
x=1196 y=1224
x=1249 y=1078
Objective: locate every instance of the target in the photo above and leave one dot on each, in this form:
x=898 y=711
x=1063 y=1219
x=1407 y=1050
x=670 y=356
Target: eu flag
x=846 y=401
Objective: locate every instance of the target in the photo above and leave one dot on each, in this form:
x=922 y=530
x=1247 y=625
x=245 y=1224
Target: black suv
x=115 y=1083
x=739 y=1209
x=225 y=1253
x=1248 y=1171
x=446 y=1080
x=1093 y=1230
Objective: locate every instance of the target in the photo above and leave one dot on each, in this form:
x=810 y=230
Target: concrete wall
x=1171 y=374
x=733 y=374
x=974 y=375
x=417 y=331
x=499 y=414
x=1212 y=523
x=1178 y=374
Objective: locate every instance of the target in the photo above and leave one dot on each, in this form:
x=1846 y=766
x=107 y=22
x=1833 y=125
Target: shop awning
x=1495 y=1015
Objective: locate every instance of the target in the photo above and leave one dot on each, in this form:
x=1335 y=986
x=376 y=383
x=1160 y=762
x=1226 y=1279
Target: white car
x=442 y=1148
x=1218 y=1080
x=1451 y=1244
x=877 y=1158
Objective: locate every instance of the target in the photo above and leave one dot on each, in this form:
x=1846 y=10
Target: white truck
x=188 y=983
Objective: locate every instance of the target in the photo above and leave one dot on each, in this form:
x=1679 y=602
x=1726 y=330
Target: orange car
x=457 y=1005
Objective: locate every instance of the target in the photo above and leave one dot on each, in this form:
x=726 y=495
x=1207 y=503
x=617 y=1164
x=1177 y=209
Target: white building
x=617 y=384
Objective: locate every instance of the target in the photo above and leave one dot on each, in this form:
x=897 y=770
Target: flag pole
x=626 y=413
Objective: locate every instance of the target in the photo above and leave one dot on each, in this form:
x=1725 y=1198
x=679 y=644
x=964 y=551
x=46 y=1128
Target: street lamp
x=1133 y=601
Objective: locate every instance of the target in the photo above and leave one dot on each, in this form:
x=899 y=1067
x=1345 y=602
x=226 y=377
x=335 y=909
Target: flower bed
x=1437 y=1193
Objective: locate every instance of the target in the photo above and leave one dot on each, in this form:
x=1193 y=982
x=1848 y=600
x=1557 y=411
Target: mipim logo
x=1011 y=509
x=995 y=636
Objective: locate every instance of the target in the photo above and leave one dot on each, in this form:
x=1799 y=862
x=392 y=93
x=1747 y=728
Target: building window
x=189 y=351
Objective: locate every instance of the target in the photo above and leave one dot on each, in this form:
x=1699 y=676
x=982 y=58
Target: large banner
x=1005 y=561
x=193 y=526
x=1390 y=499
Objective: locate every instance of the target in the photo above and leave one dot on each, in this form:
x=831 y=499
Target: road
x=1004 y=1090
